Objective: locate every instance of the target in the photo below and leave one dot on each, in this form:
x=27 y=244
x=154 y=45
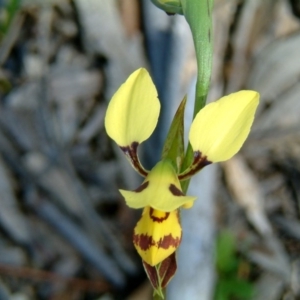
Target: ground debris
x=65 y=232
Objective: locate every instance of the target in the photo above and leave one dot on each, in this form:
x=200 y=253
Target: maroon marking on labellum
x=142 y=187
x=169 y=241
x=131 y=153
x=156 y=219
x=145 y=242
x=175 y=190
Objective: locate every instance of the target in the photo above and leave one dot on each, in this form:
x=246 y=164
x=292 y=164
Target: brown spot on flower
x=156 y=218
x=145 y=242
x=199 y=162
x=131 y=153
x=169 y=241
x=142 y=187
x=130 y=149
x=175 y=190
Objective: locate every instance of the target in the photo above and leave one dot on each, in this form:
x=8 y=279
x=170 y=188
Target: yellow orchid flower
x=216 y=134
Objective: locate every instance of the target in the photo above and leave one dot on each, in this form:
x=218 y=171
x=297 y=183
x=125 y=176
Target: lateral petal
x=220 y=128
x=133 y=111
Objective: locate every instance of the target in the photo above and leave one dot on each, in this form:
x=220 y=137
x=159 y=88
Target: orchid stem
x=158 y=297
x=199 y=17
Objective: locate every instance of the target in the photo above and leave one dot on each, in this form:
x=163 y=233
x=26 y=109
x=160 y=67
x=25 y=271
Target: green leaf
x=242 y=289
x=9 y=12
x=5 y=84
x=169 y=6
x=226 y=259
x=174 y=144
x=221 y=291
x=234 y=288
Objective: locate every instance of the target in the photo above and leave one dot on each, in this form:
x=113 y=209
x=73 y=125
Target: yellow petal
x=220 y=128
x=133 y=111
x=157 y=235
x=160 y=190
x=188 y=205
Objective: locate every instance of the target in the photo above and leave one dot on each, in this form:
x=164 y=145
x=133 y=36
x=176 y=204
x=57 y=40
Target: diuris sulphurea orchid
x=216 y=134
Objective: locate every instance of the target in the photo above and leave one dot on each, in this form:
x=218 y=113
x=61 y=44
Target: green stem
x=198 y=14
x=158 y=297
x=199 y=17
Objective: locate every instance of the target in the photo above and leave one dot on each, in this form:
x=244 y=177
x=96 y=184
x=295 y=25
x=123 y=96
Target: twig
x=87 y=248
x=42 y=276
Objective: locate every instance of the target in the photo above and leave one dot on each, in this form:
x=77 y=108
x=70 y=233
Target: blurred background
x=65 y=231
